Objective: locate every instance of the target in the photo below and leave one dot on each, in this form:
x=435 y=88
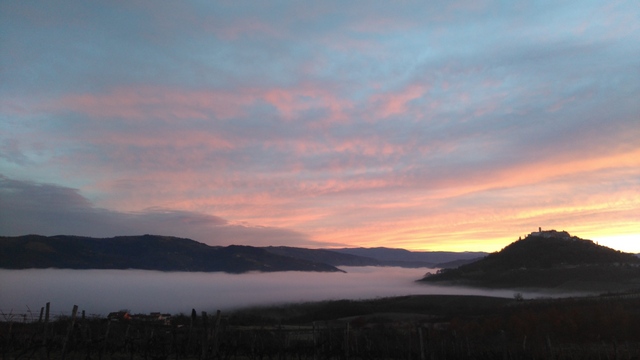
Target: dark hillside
x=148 y=252
x=390 y=254
x=546 y=252
x=549 y=259
x=324 y=256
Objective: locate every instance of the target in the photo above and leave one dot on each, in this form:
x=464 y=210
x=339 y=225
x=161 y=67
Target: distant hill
x=324 y=256
x=378 y=257
x=406 y=258
x=549 y=259
x=149 y=252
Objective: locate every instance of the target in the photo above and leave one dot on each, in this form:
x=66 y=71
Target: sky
x=426 y=125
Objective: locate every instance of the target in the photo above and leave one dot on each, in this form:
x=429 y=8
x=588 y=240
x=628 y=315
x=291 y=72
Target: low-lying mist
x=102 y=291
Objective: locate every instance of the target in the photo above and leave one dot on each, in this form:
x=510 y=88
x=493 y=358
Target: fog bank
x=102 y=291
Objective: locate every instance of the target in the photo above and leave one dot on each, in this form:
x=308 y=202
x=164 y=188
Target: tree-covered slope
x=549 y=259
x=403 y=257
x=148 y=252
x=378 y=257
x=324 y=256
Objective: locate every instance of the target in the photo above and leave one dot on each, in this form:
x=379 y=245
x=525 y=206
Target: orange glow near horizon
x=462 y=242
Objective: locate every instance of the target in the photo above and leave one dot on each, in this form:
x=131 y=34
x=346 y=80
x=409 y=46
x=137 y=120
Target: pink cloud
x=157 y=138
x=291 y=102
x=529 y=173
x=148 y=103
x=396 y=103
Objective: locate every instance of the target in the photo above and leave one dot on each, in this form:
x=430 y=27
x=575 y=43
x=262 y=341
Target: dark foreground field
x=409 y=327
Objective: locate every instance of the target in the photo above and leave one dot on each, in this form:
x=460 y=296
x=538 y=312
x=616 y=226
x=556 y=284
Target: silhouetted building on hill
x=551 y=234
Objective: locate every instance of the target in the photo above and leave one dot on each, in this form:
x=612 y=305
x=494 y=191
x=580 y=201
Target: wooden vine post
x=74 y=312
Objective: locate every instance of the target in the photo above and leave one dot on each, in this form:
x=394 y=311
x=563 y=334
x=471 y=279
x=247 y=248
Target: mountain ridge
x=323 y=255
x=167 y=253
x=406 y=258
x=146 y=252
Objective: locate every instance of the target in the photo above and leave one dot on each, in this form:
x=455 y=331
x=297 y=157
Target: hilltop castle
x=551 y=234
